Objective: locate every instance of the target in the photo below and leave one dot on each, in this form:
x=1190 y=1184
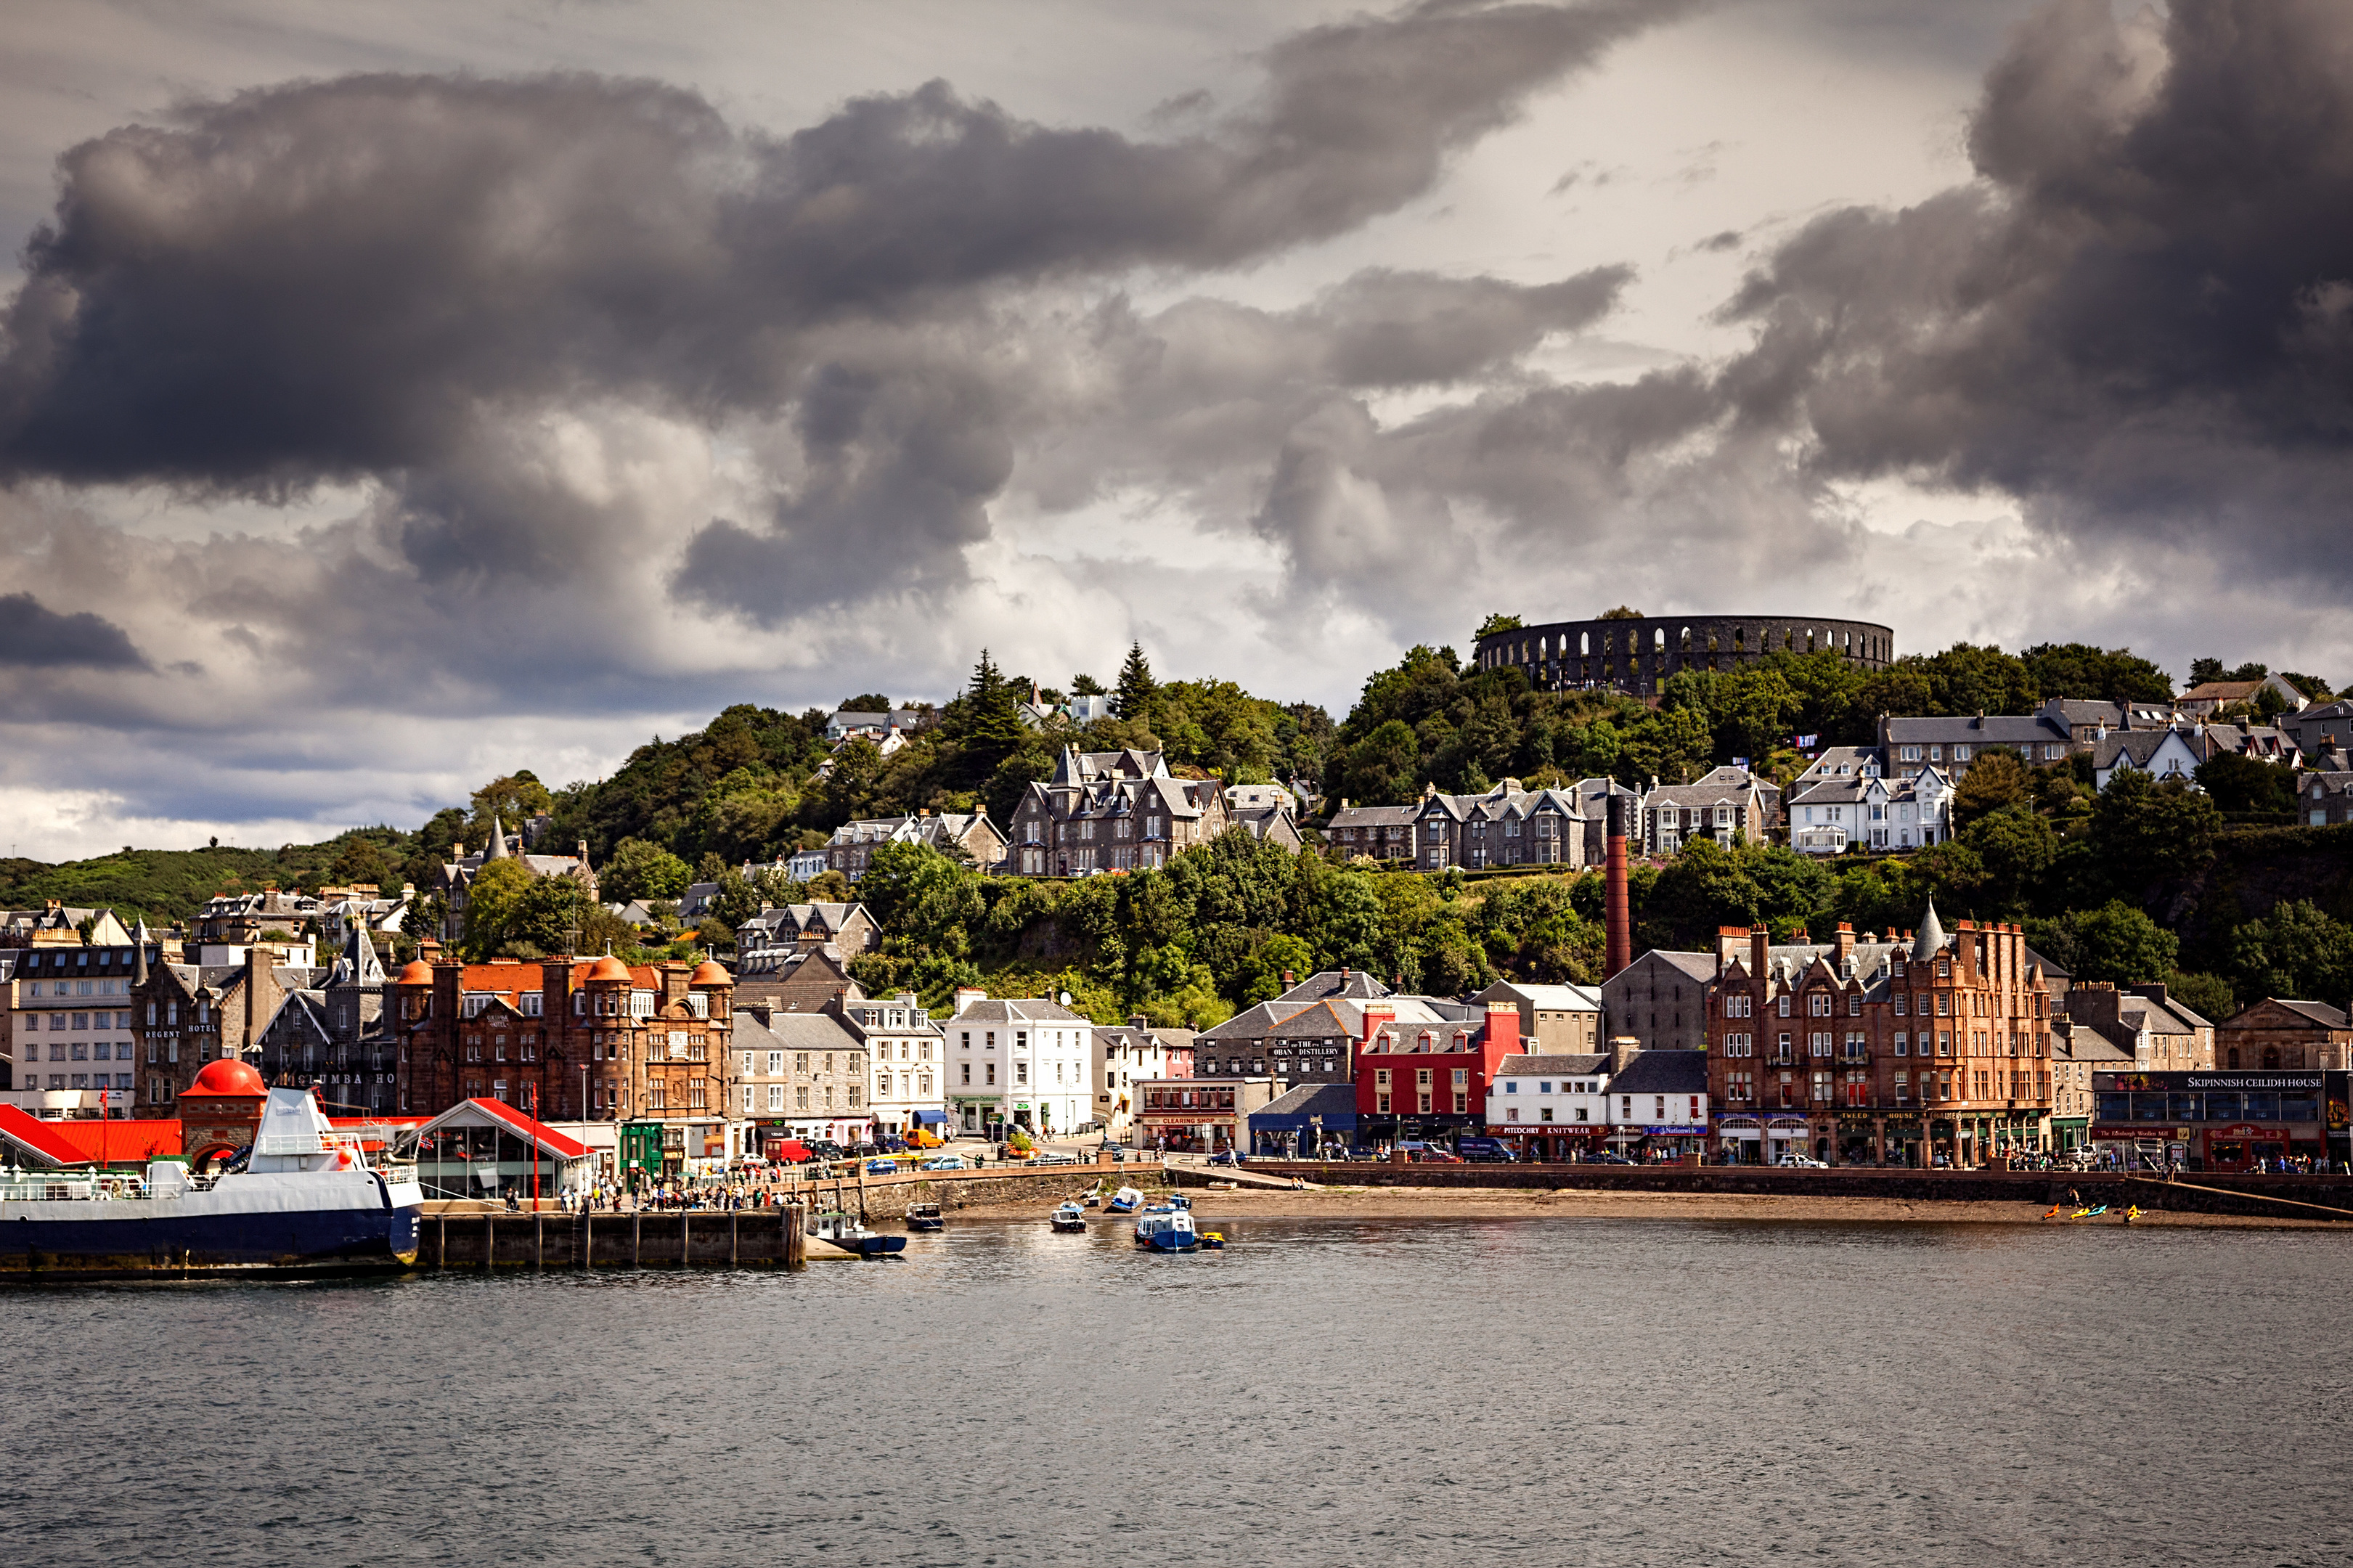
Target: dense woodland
x=2208 y=890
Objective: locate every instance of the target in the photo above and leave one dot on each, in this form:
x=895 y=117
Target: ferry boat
x=925 y=1217
x=1124 y=1201
x=303 y=1200
x=1071 y=1216
x=1166 y=1230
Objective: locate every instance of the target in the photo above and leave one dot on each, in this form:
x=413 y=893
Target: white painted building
x=1018 y=1063
x=1867 y=809
x=905 y=1052
x=70 y=1022
x=1551 y=1096
x=1127 y=1054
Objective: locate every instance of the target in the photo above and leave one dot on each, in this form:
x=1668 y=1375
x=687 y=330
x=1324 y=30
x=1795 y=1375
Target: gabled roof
x=1662 y=1072
x=1565 y=998
x=1016 y=1010
x=1355 y=984
x=1335 y=1102
x=2320 y=1012
x=1572 y=1065
x=498 y=1113
x=1698 y=965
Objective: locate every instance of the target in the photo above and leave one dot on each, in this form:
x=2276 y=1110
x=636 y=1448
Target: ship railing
x=62 y=1186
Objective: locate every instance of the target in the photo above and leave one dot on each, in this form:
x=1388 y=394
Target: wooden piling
x=637 y=1236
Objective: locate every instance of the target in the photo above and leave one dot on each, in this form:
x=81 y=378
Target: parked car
x=945 y=1162
x=892 y=1144
x=825 y=1148
x=1486 y=1150
x=1055 y=1157
x=881 y=1167
x=1225 y=1157
x=1793 y=1161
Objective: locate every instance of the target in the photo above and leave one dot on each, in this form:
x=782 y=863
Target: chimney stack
x=1623 y=1048
x=1620 y=950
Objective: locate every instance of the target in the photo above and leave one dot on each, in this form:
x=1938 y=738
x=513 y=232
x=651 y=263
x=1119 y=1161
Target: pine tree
x=1133 y=700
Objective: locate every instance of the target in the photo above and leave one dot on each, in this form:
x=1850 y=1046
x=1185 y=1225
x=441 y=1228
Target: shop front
x=2218 y=1120
x=1553 y=1143
x=1899 y=1139
x=1193 y=1132
x=1656 y=1143
x=1857 y=1139
x=1739 y=1140
x=1785 y=1135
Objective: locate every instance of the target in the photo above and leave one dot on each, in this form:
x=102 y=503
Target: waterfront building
x=801 y=1076
x=488 y=1149
x=1550 y=1107
x=1427 y=1081
x=1130 y=1055
x=1658 y=1104
x=1304 y=1122
x=1201 y=1116
x=68 y=1029
x=1019 y=1062
x=907 y=1055
x=588 y=1038
x=2221 y=1120
x=2078 y=1051
x=1934 y=1046
x=2154 y=1031
x=1310 y=1042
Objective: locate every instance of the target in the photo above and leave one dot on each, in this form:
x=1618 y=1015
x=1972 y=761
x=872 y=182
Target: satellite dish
x=1066 y=998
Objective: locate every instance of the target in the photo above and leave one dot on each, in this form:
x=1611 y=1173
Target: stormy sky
x=391 y=400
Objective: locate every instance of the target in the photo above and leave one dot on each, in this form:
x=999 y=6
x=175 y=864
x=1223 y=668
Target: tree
x=2017 y=849
x=2110 y=674
x=1132 y=701
x=1085 y=685
x=2207 y=996
x=1497 y=622
x=868 y=702
x=1997 y=780
x=2146 y=830
x=1622 y=612
x=988 y=723
x=515 y=797
x=2297 y=950
x=641 y=871
x=2114 y=942
x=361 y=861
x=735 y=901
x=2205 y=671
x=2312 y=686
x=1968 y=678
x=2243 y=784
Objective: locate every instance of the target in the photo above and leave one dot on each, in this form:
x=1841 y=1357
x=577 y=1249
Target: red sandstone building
x=1908 y=1050
x=590 y=1039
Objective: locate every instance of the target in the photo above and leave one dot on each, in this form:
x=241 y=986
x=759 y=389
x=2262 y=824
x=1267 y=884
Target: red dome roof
x=228 y=1076
x=609 y=968
x=417 y=973
x=711 y=972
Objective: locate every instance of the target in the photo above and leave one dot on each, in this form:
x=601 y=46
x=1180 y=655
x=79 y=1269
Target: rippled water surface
x=1537 y=1391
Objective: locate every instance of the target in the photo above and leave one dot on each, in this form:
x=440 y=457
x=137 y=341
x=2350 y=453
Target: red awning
x=498 y=1113
x=82 y=1141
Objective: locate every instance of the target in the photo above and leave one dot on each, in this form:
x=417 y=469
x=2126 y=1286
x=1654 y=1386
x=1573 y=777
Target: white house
x=1129 y=1055
x=1018 y=1063
x=1550 y=1106
x=1658 y=1104
x=1868 y=809
x=905 y=1053
x=2161 y=753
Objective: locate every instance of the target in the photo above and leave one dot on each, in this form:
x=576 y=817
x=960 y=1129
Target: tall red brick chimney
x=1620 y=951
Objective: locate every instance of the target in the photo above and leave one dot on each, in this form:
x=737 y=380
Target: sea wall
x=2306 y=1197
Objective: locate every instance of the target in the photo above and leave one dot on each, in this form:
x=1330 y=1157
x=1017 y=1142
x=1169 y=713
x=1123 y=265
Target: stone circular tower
x=1634 y=656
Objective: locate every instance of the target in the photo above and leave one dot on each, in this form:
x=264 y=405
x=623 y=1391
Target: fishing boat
x=1127 y=1200
x=925 y=1217
x=304 y=1199
x=1161 y=1230
x=1071 y=1216
x=848 y=1233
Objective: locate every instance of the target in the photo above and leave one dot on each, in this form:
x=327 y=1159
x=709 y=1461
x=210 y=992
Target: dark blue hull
x=292 y=1241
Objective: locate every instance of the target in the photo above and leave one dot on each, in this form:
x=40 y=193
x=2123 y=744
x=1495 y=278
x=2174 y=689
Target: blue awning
x=931 y=1116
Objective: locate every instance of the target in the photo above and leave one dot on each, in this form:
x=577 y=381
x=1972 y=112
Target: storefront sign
x=1676 y=1132
x=2135 y=1131
x=2226 y=1080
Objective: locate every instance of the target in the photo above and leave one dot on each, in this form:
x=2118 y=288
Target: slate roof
x=1662 y=1072
x=1556 y=1067
x=2319 y=1012
x=1561 y=998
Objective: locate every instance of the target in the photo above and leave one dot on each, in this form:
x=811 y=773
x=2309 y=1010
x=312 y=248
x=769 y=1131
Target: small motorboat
x=1071 y=1216
x=1161 y=1230
x=1127 y=1200
x=846 y=1232
x=925 y=1217
x=1213 y=1241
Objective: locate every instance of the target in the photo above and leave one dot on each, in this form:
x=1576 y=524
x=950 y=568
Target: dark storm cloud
x=34 y=636
x=2140 y=320
x=334 y=279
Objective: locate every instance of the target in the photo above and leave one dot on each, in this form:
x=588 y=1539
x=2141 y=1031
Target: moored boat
x=304 y=1199
x=925 y=1217
x=1127 y=1200
x=848 y=1233
x=1071 y=1216
x=1166 y=1230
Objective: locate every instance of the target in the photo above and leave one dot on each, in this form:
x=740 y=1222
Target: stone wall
x=1634 y=656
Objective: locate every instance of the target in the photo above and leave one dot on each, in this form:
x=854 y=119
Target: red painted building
x=1427 y=1081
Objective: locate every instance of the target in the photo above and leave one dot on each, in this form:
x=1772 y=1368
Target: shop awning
x=931 y=1118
